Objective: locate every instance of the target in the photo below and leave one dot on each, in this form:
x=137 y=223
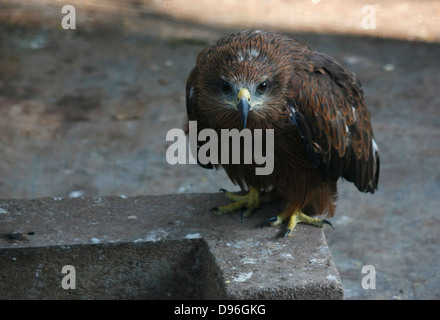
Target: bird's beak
x=243 y=106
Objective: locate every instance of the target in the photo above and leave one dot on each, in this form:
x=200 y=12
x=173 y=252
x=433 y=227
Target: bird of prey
x=322 y=130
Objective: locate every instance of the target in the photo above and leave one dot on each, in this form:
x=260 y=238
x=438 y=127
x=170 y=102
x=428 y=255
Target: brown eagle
x=315 y=106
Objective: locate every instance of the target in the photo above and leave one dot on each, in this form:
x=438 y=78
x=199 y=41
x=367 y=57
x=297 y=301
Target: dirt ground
x=85 y=112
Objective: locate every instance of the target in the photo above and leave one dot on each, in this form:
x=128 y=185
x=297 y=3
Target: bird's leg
x=248 y=203
x=270 y=196
x=295 y=217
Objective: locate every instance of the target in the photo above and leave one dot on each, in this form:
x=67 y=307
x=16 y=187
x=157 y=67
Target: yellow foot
x=247 y=203
x=296 y=217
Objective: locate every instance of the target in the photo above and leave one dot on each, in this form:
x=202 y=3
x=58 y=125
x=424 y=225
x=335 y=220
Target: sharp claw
x=328 y=222
x=213 y=209
x=268 y=221
x=288 y=231
x=223 y=190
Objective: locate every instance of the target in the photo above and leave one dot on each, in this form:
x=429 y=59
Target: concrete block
x=157 y=247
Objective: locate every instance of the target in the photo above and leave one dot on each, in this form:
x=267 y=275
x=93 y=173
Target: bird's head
x=245 y=76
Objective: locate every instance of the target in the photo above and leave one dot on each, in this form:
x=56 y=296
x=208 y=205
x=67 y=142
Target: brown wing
x=333 y=119
x=192 y=104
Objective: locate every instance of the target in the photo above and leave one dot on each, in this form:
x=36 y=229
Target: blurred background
x=84 y=112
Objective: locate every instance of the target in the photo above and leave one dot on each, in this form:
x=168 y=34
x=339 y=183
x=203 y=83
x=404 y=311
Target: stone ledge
x=158 y=247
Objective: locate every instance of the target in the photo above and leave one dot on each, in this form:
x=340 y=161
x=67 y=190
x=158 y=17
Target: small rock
x=168 y=63
x=389 y=67
x=95 y=240
x=76 y=194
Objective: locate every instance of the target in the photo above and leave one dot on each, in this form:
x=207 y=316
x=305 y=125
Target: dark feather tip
x=329 y=223
x=241 y=214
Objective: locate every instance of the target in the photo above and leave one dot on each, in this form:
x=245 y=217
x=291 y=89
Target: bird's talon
x=329 y=223
x=223 y=190
x=268 y=222
x=246 y=203
x=288 y=232
x=213 y=210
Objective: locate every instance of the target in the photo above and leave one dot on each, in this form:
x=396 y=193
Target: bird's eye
x=262 y=87
x=226 y=88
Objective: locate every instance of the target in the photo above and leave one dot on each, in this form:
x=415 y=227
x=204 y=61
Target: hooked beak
x=243 y=106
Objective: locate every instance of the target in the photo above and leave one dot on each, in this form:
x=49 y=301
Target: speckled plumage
x=314 y=104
